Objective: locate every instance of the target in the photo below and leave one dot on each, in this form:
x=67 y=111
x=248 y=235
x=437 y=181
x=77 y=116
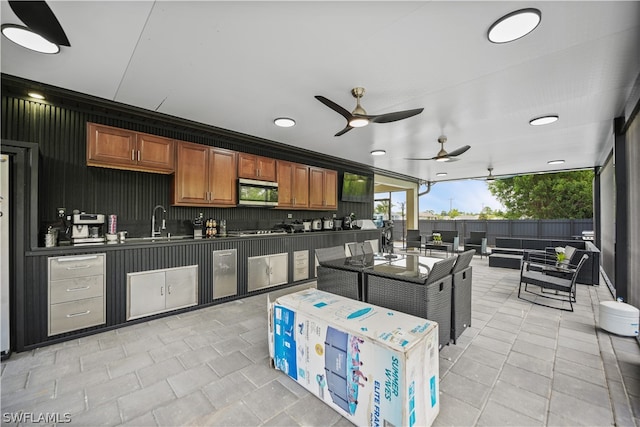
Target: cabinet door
x=266 y=169
x=285 y=184
x=181 y=287
x=330 y=188
x=256 y=167
x=155 y=153
x=110 y=147
x=316 y=192
x=191 y=180
x=279 y=269
x=258 y=276
x=145 y=294
x=300 y=186
x=247 y=166
x=223 y=179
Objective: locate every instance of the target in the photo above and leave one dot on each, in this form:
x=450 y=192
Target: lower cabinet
x=157 y=291
x=267 y=270
x=76 y=292
x=225 y=273
x=300 y=265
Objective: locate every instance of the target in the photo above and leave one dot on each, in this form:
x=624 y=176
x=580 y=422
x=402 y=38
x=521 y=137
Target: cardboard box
x=372 y=365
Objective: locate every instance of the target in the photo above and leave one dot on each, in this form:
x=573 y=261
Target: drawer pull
x=77 y=258
x=82 y=313
x=81 y=288
x=80 y=267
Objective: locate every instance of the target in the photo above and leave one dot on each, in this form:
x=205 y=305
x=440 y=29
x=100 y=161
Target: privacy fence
x=542 y=229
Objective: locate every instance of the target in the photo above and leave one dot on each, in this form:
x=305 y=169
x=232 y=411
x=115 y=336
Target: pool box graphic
x=372 y=365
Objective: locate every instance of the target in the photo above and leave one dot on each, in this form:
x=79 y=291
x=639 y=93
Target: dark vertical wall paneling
x=122 y=260
x=59 y=129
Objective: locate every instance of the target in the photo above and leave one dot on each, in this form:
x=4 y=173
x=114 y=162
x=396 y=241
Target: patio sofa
x=450 y=237
x=509 y=252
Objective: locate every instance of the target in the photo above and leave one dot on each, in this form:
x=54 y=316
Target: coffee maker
x=87 y=229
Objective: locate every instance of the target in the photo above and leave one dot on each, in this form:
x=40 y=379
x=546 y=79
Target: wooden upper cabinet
x=223 y=177
x=205 y=176
x=117 y=148
x=256 y=167
x=323 y=189
x=293 y=185
x=155 y=152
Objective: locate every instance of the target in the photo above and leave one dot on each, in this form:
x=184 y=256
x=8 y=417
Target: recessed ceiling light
x=35 y=95
x=544 y=120
x=514 y=25
x=378 y=152
x=555 y=162
x=441 y=174
x=284 y=122
x=26 y=38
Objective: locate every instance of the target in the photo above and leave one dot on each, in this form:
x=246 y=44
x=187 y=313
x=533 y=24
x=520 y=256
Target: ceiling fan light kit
x=514 y=25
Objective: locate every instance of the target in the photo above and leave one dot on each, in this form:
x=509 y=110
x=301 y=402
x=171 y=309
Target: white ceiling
x=238 y=65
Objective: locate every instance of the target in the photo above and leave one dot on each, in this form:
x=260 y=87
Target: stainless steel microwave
x=252 y=192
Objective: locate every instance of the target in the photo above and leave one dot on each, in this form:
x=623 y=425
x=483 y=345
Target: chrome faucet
x=163 y=226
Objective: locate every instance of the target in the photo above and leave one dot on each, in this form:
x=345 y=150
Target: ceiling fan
x=442 y=155
x=39 y=18
x=490 y=177
x=359 y=117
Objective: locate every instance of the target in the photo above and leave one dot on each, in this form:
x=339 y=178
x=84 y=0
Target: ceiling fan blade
x=335 y=107
x=38 y=17
x=420 y=158
x=459 y=151
x=393 y=117
x=343 y=131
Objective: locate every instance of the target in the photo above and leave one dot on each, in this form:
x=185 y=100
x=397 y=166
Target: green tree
x=567 y=195
x=382 y=207
x=454 y=213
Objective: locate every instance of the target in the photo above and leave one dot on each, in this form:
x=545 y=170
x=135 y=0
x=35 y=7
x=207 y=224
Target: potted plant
x=437 y=238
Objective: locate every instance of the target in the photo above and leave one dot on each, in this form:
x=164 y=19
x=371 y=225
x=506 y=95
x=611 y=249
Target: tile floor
x=519 y=364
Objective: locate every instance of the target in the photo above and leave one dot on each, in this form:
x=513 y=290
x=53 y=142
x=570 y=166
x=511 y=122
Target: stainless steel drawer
x=66 y=267
x=76 y=288
x=69 y=316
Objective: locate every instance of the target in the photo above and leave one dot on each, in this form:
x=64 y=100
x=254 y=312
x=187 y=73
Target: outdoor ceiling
x=239 y=65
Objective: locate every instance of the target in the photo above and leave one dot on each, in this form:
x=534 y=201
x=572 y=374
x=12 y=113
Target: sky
x=466 y=196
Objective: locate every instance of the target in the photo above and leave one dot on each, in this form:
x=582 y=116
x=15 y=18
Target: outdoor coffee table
x=431 y=245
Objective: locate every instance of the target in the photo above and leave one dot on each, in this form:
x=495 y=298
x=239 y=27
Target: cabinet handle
x=81 y=288
x=169 y=289
x=161 y=290
x=257 y=172
x=82 y=313
x=80 y=267
x=133 y=154
x=77 y=258
x=138 y=155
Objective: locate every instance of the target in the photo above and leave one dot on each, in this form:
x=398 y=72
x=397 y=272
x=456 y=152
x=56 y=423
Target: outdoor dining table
x=401 y=265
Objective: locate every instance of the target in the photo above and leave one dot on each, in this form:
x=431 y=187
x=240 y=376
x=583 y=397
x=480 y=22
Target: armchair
x=340 y=281
x=414 y=239
x=428 y=298
x=477 y=241
x=461 y=294
x=544 y=276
